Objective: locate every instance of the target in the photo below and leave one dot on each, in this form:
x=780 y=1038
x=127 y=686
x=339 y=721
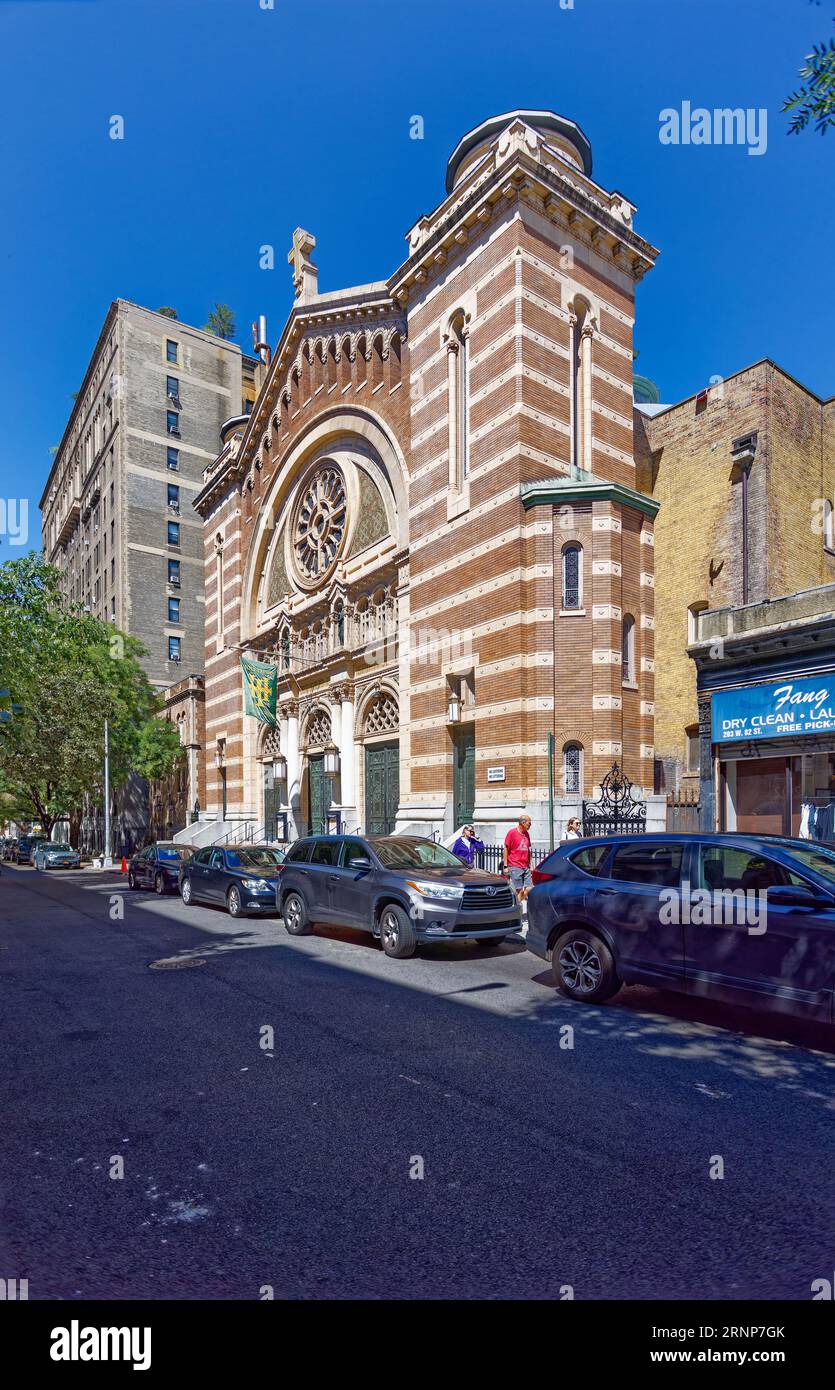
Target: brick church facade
x=430 y=521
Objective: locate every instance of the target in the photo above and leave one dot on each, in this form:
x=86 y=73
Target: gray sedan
x=56 y=856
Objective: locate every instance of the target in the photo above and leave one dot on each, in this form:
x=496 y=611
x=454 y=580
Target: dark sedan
x=158 y=866
x=241 y=878
x=25 y=848
x=402 y=889
x=731 y=917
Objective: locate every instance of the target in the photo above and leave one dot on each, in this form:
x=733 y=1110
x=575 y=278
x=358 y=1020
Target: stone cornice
x=558 y=491
x=560 y=196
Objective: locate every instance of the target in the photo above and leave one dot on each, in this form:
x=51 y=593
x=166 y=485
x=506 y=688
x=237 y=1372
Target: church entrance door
x=463 y=775
x=272 y=807
x=316 y=795
x=382 y=787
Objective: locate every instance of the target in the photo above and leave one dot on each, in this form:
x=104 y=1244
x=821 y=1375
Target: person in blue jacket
x=467 y=845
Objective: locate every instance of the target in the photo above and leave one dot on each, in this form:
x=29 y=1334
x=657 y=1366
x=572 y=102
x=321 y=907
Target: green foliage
x=159 y=749
x=68 y=672
x=221 y=322
x=815 y=100
x=167 y=311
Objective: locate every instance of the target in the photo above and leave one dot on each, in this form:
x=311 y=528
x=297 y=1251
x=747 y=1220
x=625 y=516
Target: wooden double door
x=382 y=787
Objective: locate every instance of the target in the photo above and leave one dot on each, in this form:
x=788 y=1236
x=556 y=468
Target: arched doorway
x=382 y=763
x=318 y=787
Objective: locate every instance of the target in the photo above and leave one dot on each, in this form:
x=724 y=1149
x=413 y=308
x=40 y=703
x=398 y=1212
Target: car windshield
x=173 y=853
x=58 y=849
x=253 y=858
x=415 y=854
x=821 y=860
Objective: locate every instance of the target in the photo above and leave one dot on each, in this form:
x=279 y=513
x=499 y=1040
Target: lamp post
x=331 y=768
x=108 y=858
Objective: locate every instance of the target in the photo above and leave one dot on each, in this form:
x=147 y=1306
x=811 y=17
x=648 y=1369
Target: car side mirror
x=359 y=863
x=795 y=895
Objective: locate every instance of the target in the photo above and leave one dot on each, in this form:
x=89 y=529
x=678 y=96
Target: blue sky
x=242 y=123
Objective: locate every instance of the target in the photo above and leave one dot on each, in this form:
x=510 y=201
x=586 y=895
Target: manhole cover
x=174 y=964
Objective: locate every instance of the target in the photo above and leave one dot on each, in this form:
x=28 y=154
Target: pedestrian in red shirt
x=517 y=857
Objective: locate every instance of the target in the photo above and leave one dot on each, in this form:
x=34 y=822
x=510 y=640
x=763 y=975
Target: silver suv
x=402 y=889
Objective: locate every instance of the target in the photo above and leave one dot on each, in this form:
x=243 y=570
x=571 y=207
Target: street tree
x=67 y=672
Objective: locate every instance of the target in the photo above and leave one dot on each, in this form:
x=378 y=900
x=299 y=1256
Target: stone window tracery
x=319 y=729
x=319 y=526
x=383 y=715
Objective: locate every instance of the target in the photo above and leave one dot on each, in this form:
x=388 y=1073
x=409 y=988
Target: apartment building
x=117 y=517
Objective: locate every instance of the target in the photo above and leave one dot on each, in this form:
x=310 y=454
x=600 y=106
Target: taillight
x=539 y=876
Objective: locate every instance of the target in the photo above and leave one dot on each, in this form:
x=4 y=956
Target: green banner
x=260 y=680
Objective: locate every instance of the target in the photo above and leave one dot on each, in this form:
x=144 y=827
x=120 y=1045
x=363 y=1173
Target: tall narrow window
x=572 y=576
x=572 y=769
x=221 y=626
x=828 y=529
x=458 y=374
x=581 y=379
x=628 y=648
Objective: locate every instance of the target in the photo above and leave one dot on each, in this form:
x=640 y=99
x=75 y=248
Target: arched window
x=345 y=364
x=395 y=361
x=332 y=370
x=361 y=360
x=458 y=375
x=572 y=576
x=828 y=530
x=572 y=769
x=377 y=361
x=628 y=648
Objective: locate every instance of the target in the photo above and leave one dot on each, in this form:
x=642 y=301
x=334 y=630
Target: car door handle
x=334 y=878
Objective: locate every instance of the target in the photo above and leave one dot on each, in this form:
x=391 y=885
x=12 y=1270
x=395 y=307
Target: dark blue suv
x=739 y=918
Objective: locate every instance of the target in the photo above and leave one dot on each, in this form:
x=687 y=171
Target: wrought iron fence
x=491 y=856
x=616 y=811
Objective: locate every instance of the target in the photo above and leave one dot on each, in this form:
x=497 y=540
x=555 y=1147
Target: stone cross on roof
x=305 y=274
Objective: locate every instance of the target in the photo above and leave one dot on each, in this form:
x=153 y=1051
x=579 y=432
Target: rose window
x=320 y=523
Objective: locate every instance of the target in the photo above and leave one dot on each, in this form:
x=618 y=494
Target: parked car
x=733 y=917
x=401 y=888
x=241 y=878
x=52 y=855
x=158 y=866
x=25 y=848
x=7 y=847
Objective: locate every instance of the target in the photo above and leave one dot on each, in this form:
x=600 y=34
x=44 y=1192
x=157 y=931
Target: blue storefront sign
x=792 y=707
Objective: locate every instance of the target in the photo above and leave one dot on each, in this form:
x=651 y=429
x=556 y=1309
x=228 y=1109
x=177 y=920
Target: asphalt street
x=547 y=1168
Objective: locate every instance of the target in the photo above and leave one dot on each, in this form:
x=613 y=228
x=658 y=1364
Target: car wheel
x=583 y=967
x=234 y=902
x=132 y=884
x=294 y=912
x=397 y=933
x=493 y=942
x=185 y=892
x=159 y=886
